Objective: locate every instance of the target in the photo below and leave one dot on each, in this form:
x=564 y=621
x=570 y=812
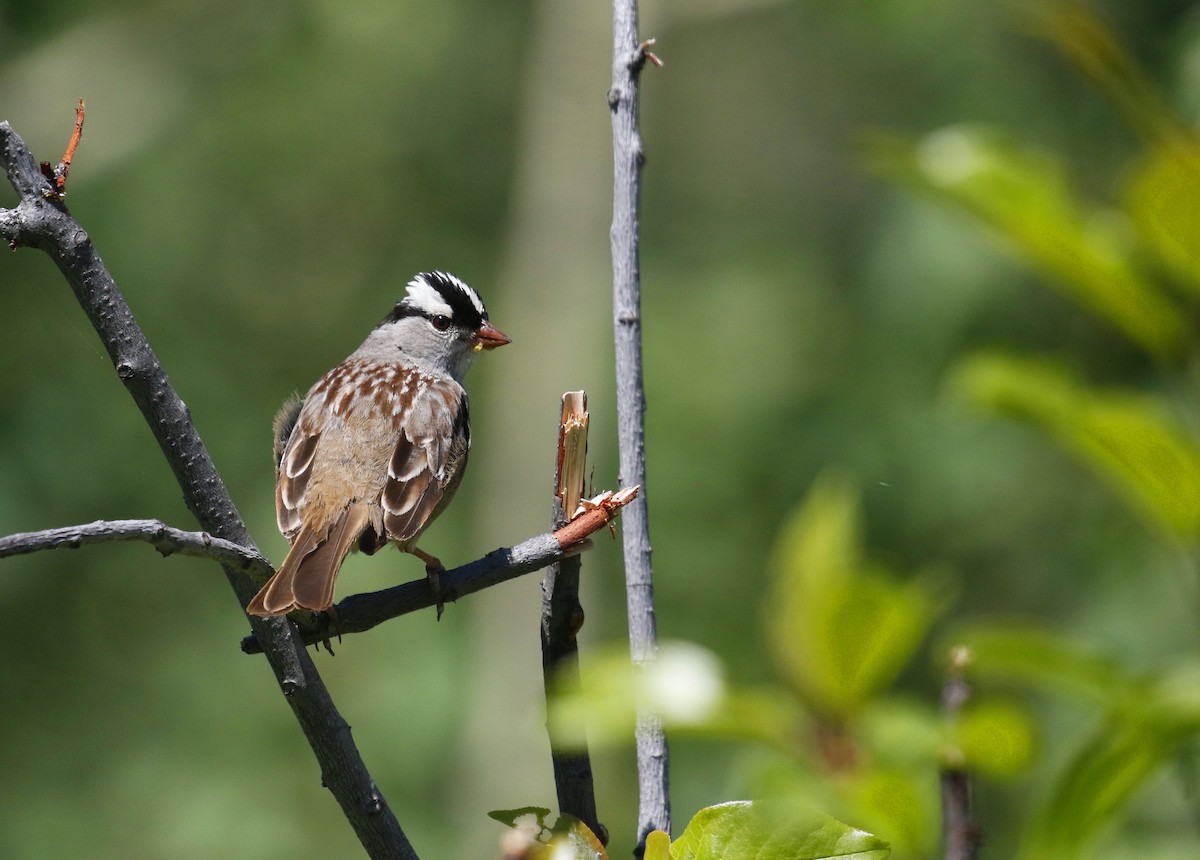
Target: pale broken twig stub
x=572 y=449
x=562 y=615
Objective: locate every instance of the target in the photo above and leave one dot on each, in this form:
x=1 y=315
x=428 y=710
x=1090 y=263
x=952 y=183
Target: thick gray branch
x=45 y=223
x=164 y=538
x=654 y=808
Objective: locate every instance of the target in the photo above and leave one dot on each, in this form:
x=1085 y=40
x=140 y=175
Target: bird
x=375 y=450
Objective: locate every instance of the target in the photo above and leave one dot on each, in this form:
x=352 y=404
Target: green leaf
x=899 y=803
x=1024 y=198
x=1035 y=656
x=1127 y=438
x=841 y=628
x=575 y=840
x=658 y=846
x=512 y=816
x=993 y=738
x=568 y=838
x=743 y=830
x=1161 y=197
x=1096 y=783
x=1139 y=737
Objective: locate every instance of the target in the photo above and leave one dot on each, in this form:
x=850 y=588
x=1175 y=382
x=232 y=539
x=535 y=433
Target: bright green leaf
x=658 y=846
x=744 y=830
x=840 y=628
x=1094 y=787
x=1024 y=198
x=1034 y=656
x=901 y=733
x=1161 y=196
x=1127 y=438
x=993 y=738
x=901 y=804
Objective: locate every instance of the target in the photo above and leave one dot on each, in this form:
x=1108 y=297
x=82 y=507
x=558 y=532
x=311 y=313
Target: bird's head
x=441 y=324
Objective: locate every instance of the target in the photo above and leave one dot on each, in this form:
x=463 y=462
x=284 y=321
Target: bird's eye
x=441 y=323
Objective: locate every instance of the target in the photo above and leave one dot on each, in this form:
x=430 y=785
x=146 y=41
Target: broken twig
x=562 y=615
x=58 y=173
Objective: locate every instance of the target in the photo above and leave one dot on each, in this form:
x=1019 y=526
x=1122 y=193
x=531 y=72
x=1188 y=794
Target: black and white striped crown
x=432 y=294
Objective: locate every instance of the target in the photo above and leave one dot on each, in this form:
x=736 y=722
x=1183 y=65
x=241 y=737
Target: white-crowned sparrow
x=376 y=449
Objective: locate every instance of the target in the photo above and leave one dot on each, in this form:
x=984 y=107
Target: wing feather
x=427 y=461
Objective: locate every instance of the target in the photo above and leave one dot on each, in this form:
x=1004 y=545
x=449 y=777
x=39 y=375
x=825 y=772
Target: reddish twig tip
x=58 y=174
x=644 y=50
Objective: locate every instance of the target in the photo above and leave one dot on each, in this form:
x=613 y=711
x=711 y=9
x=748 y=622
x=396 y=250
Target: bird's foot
x=330 y=626
x=434 y=574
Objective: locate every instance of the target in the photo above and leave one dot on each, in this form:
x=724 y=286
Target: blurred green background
x=262 y=179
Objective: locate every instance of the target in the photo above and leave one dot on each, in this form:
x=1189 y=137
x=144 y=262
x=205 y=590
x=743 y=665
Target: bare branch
x=43 y=222
x=164 y=538
x=361 y=612
x=629 y=57
x=562 y=615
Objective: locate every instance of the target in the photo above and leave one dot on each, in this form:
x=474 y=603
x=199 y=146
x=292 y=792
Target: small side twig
x=960 y=832
x=562 y=614
x=164 y=538
x=57 y=174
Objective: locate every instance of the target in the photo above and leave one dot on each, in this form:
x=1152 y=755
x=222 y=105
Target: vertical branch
x=960 y=832
x=562 y=614
x=629 y=56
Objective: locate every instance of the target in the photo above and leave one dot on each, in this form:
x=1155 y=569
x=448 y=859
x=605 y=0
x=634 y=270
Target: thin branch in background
x=562 y=614
x=629 y=57
x=960 y=832
x=164 y=538
x=41 y=220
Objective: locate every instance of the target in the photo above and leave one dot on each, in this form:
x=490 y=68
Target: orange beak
x=490 y=337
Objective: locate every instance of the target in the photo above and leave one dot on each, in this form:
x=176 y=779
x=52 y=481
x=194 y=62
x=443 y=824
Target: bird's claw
x=434 y=574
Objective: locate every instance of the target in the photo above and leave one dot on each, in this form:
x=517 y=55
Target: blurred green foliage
x=261 y=181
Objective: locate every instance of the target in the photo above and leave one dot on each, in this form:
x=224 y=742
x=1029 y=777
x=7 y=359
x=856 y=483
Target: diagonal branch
x=361 y=612
x=164 y=538
x=43 y=222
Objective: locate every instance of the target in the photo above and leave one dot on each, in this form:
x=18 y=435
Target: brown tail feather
x=305 y=579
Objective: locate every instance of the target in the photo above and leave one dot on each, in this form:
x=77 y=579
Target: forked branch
x=41 y=220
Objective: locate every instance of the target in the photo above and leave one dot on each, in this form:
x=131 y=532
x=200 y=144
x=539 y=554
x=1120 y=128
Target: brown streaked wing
x=294 y=472
x=422 y=465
